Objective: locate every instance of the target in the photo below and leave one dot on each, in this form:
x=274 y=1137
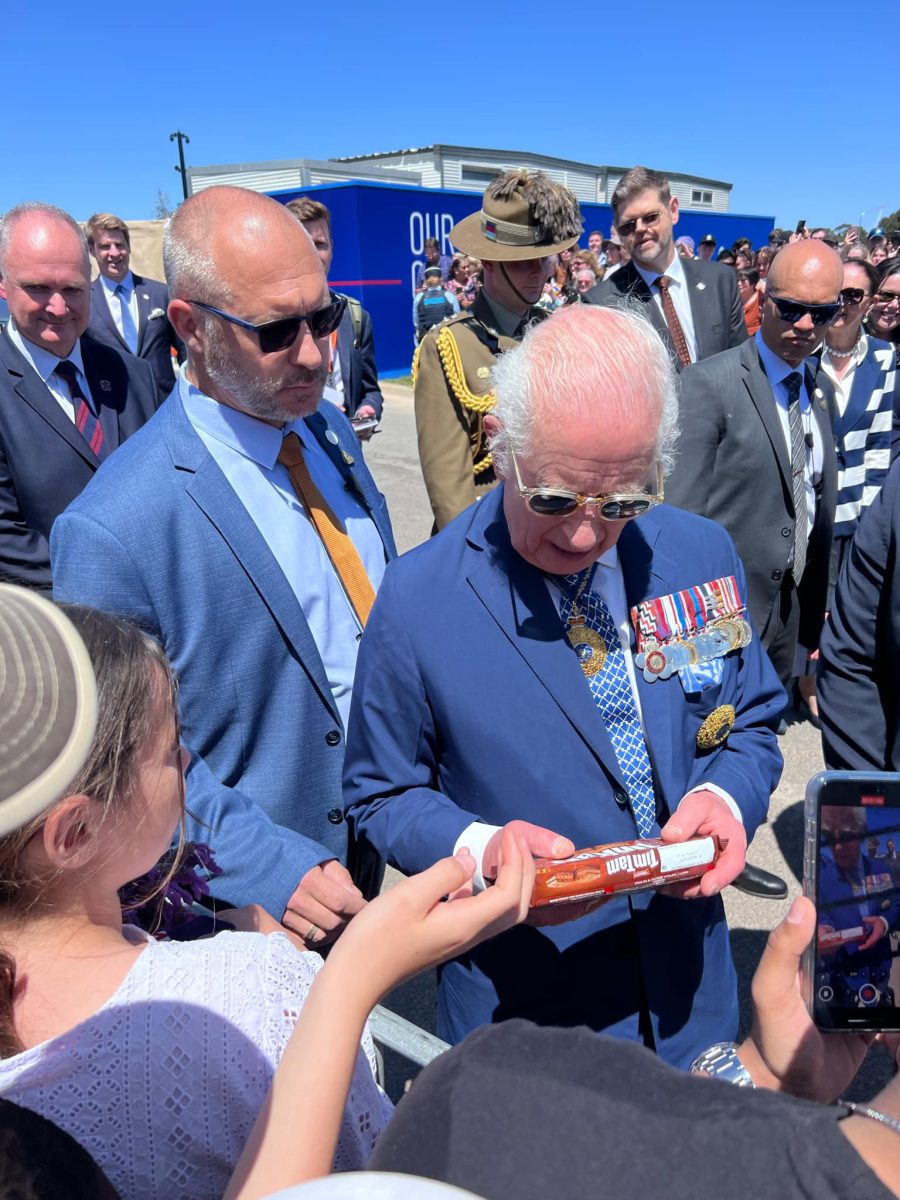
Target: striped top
x=866 y=428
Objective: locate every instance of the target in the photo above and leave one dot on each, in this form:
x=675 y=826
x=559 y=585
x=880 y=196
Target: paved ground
x=393 y=459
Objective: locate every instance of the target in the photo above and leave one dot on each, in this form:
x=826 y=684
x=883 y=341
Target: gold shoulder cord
x=448 y=351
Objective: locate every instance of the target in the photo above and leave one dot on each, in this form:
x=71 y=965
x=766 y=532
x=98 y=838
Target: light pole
x=182 y=138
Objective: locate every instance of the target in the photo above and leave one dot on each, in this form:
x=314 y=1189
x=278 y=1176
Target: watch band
x=721 y=1062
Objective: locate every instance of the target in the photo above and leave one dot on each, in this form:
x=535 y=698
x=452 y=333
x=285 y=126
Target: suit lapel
x=345 y=354
x=633 y=285
x=211 y=492
x=30 y=388
x=760 y=389
x=143 y=306
x=515 y=595
x=100 y=310
x=109 y=390
x=867 y=379
x=344 y=456
x=699 y=301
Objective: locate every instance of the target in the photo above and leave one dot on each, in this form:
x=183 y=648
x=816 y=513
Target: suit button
x=333 y=737
x=620 y=797
x=785 y=532
x=777 y=574
x=335 y=816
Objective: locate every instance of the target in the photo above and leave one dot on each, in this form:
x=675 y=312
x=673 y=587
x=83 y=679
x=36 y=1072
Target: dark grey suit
x=733 y=466
x=156 y=337
x=715 y=304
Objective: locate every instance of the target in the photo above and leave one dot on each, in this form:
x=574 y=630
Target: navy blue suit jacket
x=44 y=460
x=469 y=705
x=358 y=370
x=859 y=663
x=156 y=337
x=162 y=537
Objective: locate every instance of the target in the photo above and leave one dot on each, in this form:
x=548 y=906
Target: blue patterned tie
x=129 y=332
x=611 y=689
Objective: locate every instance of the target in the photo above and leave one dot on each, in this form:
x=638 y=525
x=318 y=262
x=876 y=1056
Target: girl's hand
x=413 y=927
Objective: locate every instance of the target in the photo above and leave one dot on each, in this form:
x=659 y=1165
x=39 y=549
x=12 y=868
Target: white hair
x=585 y=360
x=14 y=215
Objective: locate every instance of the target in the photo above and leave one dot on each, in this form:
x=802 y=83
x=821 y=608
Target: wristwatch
x=721 y=1062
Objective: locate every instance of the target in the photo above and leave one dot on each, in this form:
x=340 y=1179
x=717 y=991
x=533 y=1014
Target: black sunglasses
x=852 y=296
x=793 y=311
x=280 y=334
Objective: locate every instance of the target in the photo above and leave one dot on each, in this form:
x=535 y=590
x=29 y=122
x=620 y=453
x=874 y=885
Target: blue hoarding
x=379 y=234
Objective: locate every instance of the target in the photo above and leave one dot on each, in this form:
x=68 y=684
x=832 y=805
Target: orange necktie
x=343 y=554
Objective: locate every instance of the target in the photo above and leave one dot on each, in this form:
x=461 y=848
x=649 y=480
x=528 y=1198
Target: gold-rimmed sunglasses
x=617 y=506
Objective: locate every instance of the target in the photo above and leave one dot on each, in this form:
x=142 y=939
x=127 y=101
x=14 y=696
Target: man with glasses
x=756 y=451
x=695 y=308
x=245 y=532
x=535 y=664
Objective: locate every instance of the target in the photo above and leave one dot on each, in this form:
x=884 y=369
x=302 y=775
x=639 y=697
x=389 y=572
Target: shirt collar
x=505 y=319
x=127 y=284
x=776 y=369
x=860 y=350
x=674 y=270
x=41 y=360
x=246 y=435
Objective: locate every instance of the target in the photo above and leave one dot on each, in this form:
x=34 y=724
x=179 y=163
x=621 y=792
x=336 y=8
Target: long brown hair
x=134 y=682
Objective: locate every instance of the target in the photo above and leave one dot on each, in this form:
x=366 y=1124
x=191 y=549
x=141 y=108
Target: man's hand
x=325 y=900
x=785 y=1050
x=704 y=814
x=365 y=412
x=877 y=929
x=542 y=843
x=253 y=918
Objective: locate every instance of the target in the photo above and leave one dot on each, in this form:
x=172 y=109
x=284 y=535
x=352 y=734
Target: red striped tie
x=85 y=422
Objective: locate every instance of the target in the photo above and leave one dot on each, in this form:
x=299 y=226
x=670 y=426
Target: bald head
x=224 y=237
x=245 y=254
x=811 y=274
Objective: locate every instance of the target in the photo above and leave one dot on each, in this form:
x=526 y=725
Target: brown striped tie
x=675 y=331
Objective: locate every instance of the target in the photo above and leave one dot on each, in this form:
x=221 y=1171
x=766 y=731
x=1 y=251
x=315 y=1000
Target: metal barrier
x=404 y=1038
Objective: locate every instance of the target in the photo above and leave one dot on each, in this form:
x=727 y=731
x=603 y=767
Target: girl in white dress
x=155 y=1055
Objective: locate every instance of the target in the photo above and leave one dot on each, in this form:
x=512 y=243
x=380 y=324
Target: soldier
x=524 y=221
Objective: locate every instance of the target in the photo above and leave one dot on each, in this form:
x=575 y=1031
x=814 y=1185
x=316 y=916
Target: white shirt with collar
x=44 y=364
x=777 y=371
x=843 y=384
x=678 y=290
x=609 y=584
x=246 y=449
x=115 y=302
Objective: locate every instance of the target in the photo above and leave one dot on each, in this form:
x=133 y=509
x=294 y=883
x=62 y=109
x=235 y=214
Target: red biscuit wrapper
x=840 y=937
x=620 y=868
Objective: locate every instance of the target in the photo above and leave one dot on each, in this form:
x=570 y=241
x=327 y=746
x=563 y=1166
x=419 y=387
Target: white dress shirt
x=609 y=584
x=115 y=302
x=45 y=363
x=678 y=290
x=843 y=384
x=246 y=450
x=777 y=371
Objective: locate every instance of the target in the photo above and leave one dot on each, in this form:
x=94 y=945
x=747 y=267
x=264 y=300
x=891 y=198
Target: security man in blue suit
x=547 y=661
x=245 y=532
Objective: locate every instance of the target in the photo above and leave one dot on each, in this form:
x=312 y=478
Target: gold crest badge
x=716 y=728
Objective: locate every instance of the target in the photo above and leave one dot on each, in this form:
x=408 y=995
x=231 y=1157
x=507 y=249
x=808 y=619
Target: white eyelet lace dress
x=163 y=1084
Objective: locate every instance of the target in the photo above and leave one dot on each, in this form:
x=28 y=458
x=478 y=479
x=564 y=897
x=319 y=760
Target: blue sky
x=90 y=102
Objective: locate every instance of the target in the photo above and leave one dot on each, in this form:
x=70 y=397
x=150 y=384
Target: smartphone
x=851 y=872
x=801 y=225
x=364 y=424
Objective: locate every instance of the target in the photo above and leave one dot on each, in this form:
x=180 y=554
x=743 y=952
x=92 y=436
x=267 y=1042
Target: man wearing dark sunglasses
x=694 y=306
x=246 y=533
x=503 y=679
x=756 y=451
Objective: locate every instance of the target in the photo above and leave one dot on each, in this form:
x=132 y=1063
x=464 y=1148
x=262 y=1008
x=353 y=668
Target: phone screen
x=856 y=859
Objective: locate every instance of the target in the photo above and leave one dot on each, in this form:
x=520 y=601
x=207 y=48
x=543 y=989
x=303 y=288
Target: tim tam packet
x=620 y=868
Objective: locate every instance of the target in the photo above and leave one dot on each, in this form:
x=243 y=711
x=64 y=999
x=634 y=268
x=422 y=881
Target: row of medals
x=658 y=660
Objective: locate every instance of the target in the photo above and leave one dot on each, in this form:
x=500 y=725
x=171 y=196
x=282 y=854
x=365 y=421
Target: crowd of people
x=644 y=517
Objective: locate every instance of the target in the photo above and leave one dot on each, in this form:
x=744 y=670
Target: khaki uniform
x=451 y=374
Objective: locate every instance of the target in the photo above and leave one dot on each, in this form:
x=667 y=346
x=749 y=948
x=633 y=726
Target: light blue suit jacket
x=470 y=705
x=160 y=536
